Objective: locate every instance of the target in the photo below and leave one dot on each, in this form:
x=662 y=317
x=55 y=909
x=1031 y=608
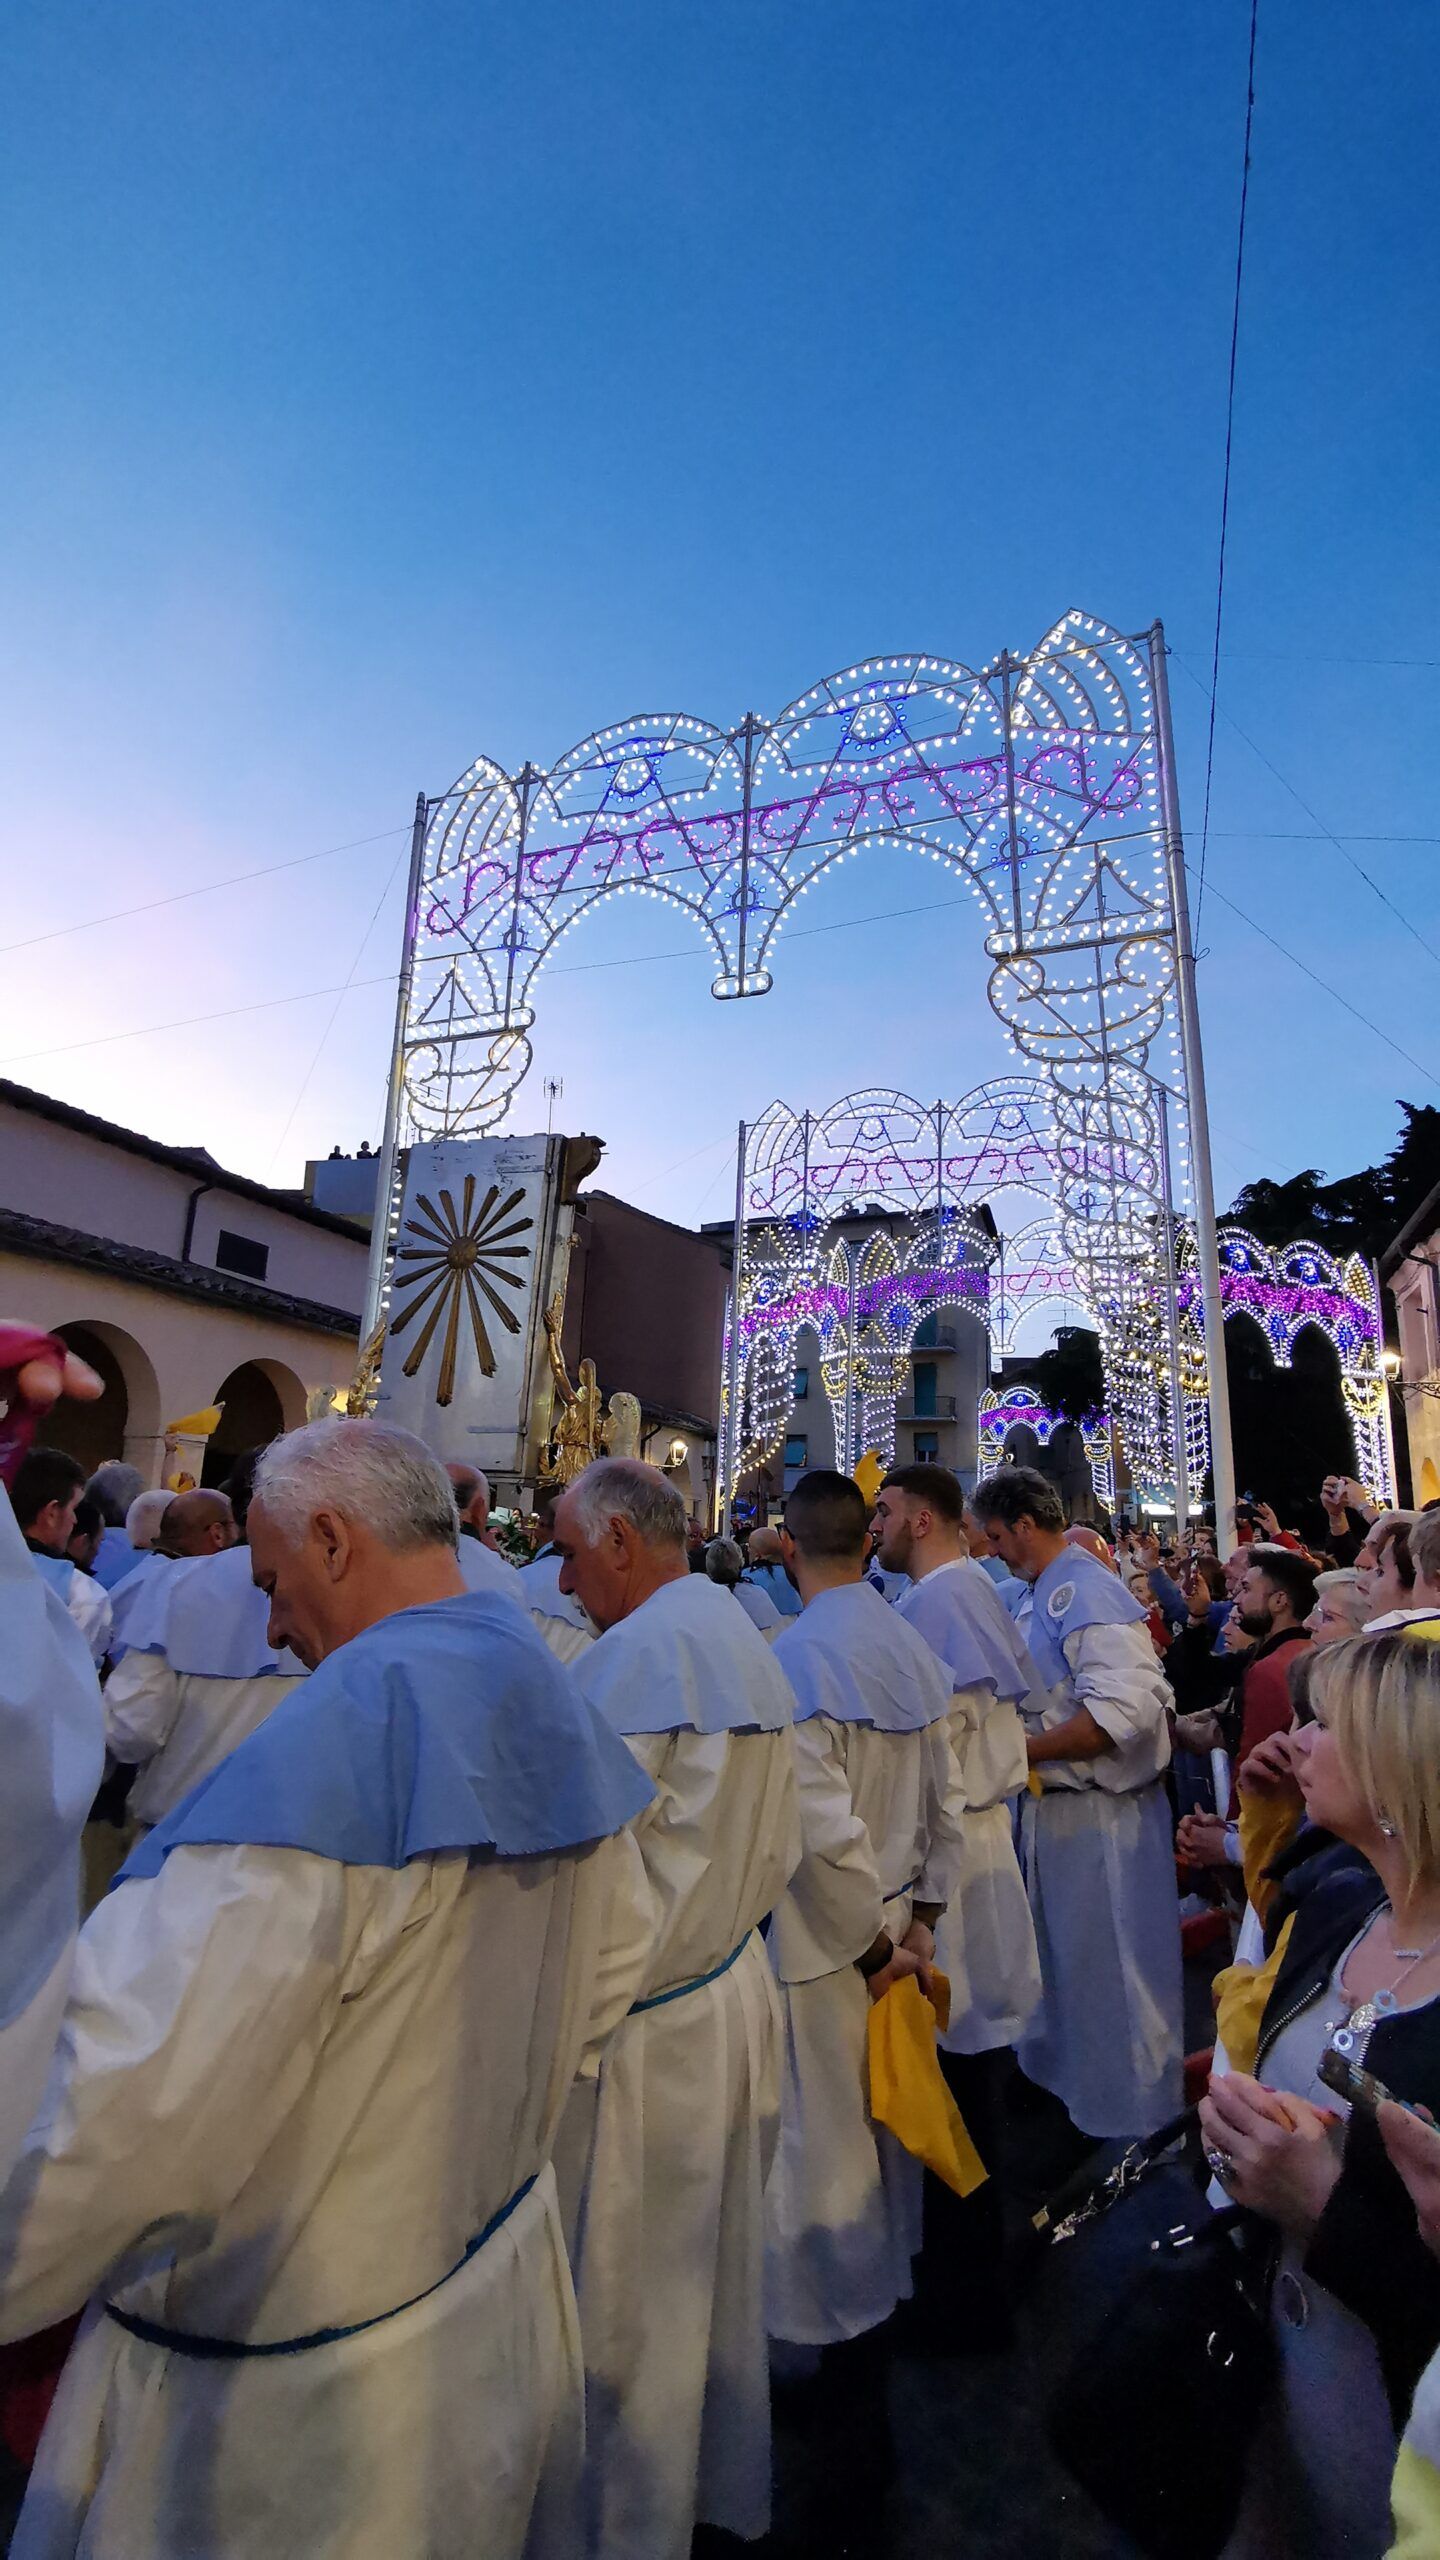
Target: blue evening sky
x=389 y=383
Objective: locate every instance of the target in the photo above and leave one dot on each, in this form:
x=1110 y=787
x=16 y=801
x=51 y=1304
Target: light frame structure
x=1045 y=782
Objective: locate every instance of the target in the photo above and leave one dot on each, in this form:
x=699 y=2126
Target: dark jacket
x=1366 y=2249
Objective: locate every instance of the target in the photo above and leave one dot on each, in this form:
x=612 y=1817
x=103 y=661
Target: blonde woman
x=1356 y=2304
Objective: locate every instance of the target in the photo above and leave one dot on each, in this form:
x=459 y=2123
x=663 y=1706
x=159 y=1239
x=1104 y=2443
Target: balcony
x=931 y=1338
x=938 y=1409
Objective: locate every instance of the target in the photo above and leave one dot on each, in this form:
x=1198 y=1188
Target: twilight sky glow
x=389 y=385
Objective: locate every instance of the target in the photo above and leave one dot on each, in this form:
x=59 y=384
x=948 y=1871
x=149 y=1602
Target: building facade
x=1409 y=1270
x=185 y=1286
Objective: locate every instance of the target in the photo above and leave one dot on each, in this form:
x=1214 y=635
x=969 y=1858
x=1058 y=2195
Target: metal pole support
x=389 y=1144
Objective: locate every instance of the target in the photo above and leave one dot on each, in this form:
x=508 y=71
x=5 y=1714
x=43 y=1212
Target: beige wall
x=1413 y=1287
x=173 y=1352
x=72 y=1180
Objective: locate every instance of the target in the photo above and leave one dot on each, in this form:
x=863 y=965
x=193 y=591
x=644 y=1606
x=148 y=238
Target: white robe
x=881 y=1814
x=288 y=2095
x=1100 y=1869
x=663 y=2161
x=176 y=1726
x=482 y=1570
x=986 y=1939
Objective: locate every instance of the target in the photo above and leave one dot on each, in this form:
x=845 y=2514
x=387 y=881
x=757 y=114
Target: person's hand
x=1200 y=1840
x=1414 y=2148
x=1269 y=1770
x=1270 y=2150
x=35 y=1370
x=1268 y=1518
x=919 y=1940
x=1332 y=1497
x=1197 y=1733
x=902 y=1964
x=1147 y=1548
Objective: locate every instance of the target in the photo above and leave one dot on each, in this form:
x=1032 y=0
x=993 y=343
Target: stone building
x=183 y=1285
x=1409 y=1270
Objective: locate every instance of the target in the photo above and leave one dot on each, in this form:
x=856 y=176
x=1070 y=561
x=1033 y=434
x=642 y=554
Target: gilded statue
x=575 y=1433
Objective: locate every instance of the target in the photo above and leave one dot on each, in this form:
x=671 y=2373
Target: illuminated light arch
x=1002 y=1408
x=1284 y=1288
x=1044 y=783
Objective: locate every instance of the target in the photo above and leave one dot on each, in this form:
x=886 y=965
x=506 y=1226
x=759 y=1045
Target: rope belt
x=185 y=2342
x=683 y=1989
x=902 y=1889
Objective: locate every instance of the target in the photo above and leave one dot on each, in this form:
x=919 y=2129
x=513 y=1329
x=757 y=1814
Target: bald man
x=766 y=1572
x=197 y=1524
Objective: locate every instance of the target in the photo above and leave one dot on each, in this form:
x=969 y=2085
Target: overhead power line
x=1229 y=450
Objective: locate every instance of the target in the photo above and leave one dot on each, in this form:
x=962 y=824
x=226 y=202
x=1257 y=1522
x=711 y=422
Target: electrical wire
x=202 y=889
x=1229 y=449
x=1327 y=834
x=335 y=1011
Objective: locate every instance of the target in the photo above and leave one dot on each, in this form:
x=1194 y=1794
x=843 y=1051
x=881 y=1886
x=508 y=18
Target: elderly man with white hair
x=112 y=1489
x=724 y=1563
x=295 y=2149
x=663 y=2164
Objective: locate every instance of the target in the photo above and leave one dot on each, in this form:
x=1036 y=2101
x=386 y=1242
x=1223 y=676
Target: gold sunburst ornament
x=457 y=1261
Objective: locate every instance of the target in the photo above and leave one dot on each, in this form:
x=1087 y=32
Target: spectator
x=45 y=1496
x=1276 y=1596
x=1340 y=1607
x=114 y=1487
x=142 y=1521
x=765 y=1572
x=1425 y=1557
x=1356 y=2300
x=724 y=1563
x=1387 y=1573
x=1348 y=1514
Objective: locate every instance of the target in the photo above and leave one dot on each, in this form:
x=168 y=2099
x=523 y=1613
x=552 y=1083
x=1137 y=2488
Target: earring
x=1387 y=1827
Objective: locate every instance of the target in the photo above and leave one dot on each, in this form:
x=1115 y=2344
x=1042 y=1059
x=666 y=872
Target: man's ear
x=332 y=1536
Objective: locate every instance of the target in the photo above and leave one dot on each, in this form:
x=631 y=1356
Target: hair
x=1424 y=1544
x=723 y=1562
x=1394 y=1530
x=468 y=1481
x=626 y=1489
x=1018 y=1493
x=1341 y=1587
x=43 y=1476
x=370 y=1472
x=142 y=1520
x=936 y=1487
x=1380 y=1697
x=113 y=1488
x=240 y=1484
x=828 y=1517
x=1300 y=1679
x=88 y=1517
x=1286 y=1571
x=1212 y=1573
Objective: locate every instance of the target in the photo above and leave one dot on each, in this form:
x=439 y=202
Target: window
x=925 y=1374
x=797 y=1453
x=242 y=1254
x=927 y=1447
x=802 y=1385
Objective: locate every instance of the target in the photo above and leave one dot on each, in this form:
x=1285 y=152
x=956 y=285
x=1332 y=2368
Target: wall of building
x=168 y=1356
x=646 y=1303
x=1413 y=1286
x=76 y=1178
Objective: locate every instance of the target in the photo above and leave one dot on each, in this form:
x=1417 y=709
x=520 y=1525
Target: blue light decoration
x=1001 y=1410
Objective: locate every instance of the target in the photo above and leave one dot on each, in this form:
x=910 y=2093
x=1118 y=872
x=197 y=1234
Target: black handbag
x=1155 y=2414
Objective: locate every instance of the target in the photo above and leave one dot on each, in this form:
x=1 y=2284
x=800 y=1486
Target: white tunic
x=482 y=1570
x=880 y=1814
x=986 y=1939
x=1100 y=1869
x=178 y=1726
x=663 y=2161
x=288 y=2095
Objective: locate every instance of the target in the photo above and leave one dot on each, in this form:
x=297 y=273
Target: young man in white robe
x=296 y=2143
x=986 y=1941
x=880 y=1817
x=1097 y=1842
x=663 y=2164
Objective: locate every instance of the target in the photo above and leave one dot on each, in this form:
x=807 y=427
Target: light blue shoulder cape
x=960 y=1614
x=686 y=1660
x=1075 y=1591
x=445 y=1727
x=850 y=1656
x=52 y=1753
x=205 y=1616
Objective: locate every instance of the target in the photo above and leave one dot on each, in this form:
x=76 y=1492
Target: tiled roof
x=40 y=1241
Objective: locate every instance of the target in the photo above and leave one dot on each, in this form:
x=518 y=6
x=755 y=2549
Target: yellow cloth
x=1241 y=1993
x=1415 y=2498
x=907 y=2088
x=1267 y=1825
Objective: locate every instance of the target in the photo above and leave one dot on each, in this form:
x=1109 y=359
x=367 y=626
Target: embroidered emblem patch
x=1059 y=1601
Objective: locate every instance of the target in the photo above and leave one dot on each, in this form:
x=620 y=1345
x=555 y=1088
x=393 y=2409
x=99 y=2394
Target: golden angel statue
x=575 y=1431
x=621 y=1428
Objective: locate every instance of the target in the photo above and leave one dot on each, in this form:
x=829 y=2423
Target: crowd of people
x=462 y=2097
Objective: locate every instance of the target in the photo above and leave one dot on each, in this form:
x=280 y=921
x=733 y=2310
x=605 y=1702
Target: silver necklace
x=1383 y=2003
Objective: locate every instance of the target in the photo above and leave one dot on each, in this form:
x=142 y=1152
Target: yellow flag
x=870 y=1474
x=195 y=1426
